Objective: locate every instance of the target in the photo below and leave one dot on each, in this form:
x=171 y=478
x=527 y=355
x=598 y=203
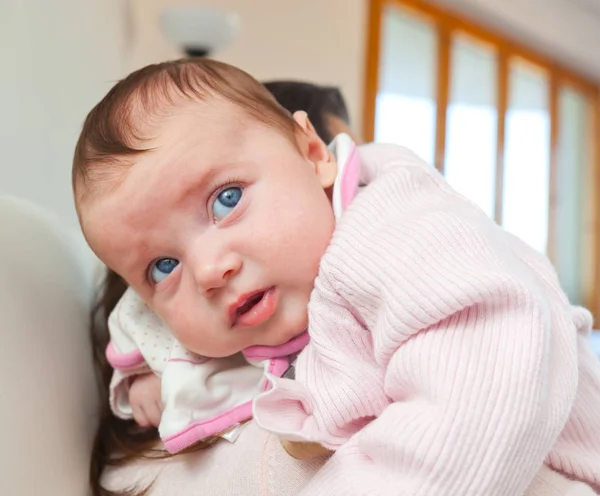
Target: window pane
x=470 y=161
x=405 y=108
x=574 y=151
x=527 y=155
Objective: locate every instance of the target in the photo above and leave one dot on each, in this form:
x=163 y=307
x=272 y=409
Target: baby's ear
x=301 y=118
x=316 y=151
x=305 y=451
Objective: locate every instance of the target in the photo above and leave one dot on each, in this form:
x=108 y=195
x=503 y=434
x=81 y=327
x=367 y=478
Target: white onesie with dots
x=202 y=396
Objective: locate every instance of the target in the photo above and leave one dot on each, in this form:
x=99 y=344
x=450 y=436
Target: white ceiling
x=590 y=6
x=565 y=30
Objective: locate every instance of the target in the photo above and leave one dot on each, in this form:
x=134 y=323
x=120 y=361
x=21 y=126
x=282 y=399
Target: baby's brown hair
x=119 y=127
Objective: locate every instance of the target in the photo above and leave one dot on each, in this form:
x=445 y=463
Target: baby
x=444 y=358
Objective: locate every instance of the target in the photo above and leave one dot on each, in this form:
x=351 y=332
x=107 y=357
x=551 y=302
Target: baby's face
x=220 y=228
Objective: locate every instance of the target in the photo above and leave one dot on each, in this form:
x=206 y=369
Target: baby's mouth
x=253 y=309
x=245 y=304
x=249 y=304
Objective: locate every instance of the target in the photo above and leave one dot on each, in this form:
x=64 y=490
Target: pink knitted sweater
x=444 y=357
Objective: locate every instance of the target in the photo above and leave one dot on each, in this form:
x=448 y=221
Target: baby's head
x=209 y=200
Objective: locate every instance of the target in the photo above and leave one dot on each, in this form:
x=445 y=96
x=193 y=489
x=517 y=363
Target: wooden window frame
x=446 y=24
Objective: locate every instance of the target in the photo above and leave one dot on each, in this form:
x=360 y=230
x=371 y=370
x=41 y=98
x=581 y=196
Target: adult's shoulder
x=255 y=463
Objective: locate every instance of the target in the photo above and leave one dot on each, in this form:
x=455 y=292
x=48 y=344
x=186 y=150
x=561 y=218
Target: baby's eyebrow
x=192 y=181
x=197 y=181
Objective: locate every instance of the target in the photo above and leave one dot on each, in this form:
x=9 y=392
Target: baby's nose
x=215 y=273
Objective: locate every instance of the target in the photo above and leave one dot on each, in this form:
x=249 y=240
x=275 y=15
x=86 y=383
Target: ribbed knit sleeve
x=443 y=354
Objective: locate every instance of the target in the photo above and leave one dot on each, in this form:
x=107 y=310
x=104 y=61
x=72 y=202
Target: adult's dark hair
x=317 y=101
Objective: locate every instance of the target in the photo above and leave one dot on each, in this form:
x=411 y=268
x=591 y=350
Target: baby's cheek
x=185 y=330
x=294 y=317
x=205 y=340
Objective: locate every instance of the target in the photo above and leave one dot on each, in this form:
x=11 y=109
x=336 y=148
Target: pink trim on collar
x=350 y=179
x=263 y=352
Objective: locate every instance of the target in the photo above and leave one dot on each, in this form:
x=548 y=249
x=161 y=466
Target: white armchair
x=47 y=387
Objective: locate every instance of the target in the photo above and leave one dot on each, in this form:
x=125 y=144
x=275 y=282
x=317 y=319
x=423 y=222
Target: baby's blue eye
x=226 y=202
x=161 y=269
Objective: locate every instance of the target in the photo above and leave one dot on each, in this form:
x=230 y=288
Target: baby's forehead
x=172 y=145
x=124 y=194
x=153 y=126
x=118 y=228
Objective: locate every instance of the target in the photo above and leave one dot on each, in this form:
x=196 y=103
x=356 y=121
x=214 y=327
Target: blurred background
x=501 y=96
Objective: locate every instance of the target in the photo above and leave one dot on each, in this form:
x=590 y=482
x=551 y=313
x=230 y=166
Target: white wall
x=316 y=40
x=58 y=58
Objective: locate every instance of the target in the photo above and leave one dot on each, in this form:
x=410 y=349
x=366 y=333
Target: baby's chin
x=223 y=351
x=285 y=336
x=277 y=337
